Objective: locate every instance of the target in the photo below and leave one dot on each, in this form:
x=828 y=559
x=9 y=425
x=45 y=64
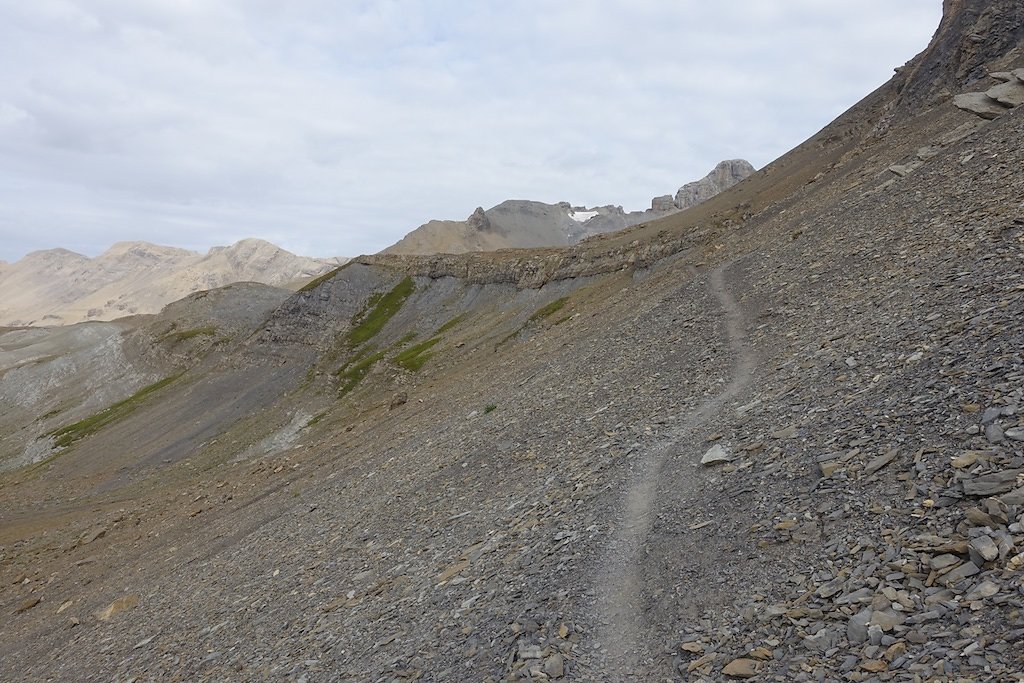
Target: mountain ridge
x=518 y=223
x=59 y=286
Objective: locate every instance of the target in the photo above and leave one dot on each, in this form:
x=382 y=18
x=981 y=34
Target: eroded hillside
x=773 y=437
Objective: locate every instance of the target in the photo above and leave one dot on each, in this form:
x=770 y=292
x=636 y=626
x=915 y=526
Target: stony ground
x=796 y=454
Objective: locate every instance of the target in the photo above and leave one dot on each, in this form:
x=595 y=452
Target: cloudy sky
x=333 y=127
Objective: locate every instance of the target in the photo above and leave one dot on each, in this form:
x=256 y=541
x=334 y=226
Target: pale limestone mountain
x=59 y=287
x=722 y=177
x=517 y=223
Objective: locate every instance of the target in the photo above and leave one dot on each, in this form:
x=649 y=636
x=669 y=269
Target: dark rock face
x=972 y=34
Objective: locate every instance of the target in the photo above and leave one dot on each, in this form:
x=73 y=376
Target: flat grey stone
x=1010 y=93
x=857 y=627
x=985 y=547
x=716 y=455
x=991 y=484
x=990 y=415
x=994 y=433
x=1015 y=433
x=980 y=104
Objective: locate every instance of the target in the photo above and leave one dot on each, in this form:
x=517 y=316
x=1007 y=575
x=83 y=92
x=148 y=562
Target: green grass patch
x=317 y=281
x=406 y=339
x=358 y=355
x=185 y=335
x=353 y=372
x=548 y=310
x=316 y=418
x=507 y=338
x=380 y=309
x=67 y=435
x=414 y=357
x=541 y=313
x=451 y=323
x=490 y=408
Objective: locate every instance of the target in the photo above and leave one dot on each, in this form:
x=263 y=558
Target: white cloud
x=336 y=127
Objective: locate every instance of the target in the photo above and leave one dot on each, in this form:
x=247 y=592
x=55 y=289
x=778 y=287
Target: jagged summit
x=518 y=223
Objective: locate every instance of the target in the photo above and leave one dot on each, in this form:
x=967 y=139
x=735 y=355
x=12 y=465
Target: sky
x=334 y=127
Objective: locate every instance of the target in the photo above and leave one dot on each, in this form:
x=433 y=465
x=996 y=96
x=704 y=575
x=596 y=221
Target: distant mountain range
x=61 y=287
x=517 y=223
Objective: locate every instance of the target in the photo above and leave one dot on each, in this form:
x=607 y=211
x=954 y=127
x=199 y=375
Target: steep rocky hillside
x=54 y=376
x=773 y=437
x=520 y=223
x=60 y=287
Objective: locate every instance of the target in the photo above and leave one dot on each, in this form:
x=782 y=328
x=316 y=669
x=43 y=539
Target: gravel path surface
x=623 y=632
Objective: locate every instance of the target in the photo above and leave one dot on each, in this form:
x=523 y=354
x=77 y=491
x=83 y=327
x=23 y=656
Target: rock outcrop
x=722 y=177
x=998 y=99
x=479 y=220
x=972 y=35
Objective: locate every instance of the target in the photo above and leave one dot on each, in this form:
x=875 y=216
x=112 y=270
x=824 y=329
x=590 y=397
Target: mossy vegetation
x=414 y=357
x=548 y=310
x=353 y=372
x=380 y=309
x=451 y=323
x=540 y=314
x=68 y=434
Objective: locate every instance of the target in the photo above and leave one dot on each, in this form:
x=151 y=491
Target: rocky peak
x=249 y=245
x=479 y=220
x=52 y=255
x=663 y=203
x=517 y=223
x=722 y=177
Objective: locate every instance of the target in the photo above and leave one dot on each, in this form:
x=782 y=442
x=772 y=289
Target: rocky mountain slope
x=59 y=287
x=775 y=437
x=519 y=223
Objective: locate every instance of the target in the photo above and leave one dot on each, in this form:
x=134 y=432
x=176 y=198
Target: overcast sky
x=334 y=127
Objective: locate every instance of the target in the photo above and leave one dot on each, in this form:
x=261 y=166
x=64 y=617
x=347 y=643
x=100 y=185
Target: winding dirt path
x=620 y=609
